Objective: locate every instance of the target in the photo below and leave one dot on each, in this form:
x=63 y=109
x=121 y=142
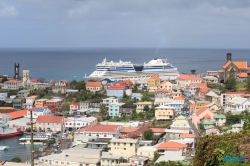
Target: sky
x=125 y=23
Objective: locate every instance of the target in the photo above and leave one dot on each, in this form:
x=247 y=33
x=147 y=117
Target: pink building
x=192 y=108
x=74 y=106
x=202 y=114
x=53 y=103
x=94 y=86
x=54 y=123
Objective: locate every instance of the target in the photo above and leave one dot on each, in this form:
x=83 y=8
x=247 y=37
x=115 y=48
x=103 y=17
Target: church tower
x=229 y=56
x=26 y=76
x=17 y=74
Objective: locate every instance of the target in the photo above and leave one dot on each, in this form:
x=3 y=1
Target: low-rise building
x=180 y=123
x=110 y=100
x=94 y=86
x=147 y=151
x=3 y=96
x=178 y=106
x=79 y=122
x=140 y=106
x=237 y=104
x=114 y=110
x=37 y=111
x=74 y=106
x=54 y=103
x=72 y=91
x=139 y=160
x=6 y=109
x=184 y=80
x=40 y=102
x=4 y=118
x=108 y=159
x=76 y=157
x=164 y=113
x=136 y=96
x=225 y=97
x=171 y=146
x=18 y=103
x=29 y=102
x=54 y=123
x=102 y=131
x=23 y=93
x=12 y=85
x=125 y=147
x=220 y=119
x=202 y=114
x=193 y=87
x=116 y=91
x=163 y=101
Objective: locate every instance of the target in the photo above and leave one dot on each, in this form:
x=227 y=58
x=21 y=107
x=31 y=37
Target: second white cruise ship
x=126 y=70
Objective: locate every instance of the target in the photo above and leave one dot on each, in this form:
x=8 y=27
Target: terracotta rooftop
x=241 y=65
x=17 y=114
x=199 y=85
x=6 y=108
x=93 y=84
x=64 y=81
x=158 y=130
x=116 y=88
x=128 y=130
x=33 y=80
x=76 y=103
x=248 y=70
x=13 y=81
x=192 y=106
x=207 y=116
x=188 y=77
x=100 y=128
x=49 y=119
x=204 y=90
x=226 y=64
x=171 y=145
x=242 y=75
x=164 y=82
x=187 y=135
x=154 y=77
x=179 y=98
x=201 y=110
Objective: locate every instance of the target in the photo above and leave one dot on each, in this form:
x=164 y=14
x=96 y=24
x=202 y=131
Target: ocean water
x=74 y=63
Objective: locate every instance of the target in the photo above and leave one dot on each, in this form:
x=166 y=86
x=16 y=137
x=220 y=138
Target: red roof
x=164 y=82
x=76 y=103
x=242 y=75
x=33 y=80
x=171 y=145
x=248 y=70
x=93 y=84
x=64 y=81
x=179 y=98
x=207 y=116
x=116 y=88
x=188 y=77
x=128 y=130
x=187 y=135
x=49 y=119
x=17 y=114
x=158 y=130
x=100 y=128
x=192 y=106
x=199 y=85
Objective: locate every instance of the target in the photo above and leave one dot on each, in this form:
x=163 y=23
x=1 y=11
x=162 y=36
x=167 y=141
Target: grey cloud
x=7 y=10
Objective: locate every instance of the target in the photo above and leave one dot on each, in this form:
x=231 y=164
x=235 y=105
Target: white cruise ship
x=126 y=70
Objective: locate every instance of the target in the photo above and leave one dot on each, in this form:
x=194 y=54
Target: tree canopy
x=16 y=160
x=230 y=84
x=148 y=134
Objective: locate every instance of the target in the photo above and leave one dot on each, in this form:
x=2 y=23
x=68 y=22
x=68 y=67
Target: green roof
x=221 y=116
x=17 y=100
x=23 y=91
x=207 y=122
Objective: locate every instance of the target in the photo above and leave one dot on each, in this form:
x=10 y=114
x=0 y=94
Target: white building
x=12 y=85
x=3 y=96
x=29 y=102
x=225 y=97
x=38 y=112
x=109 y=100
x=79 y=122
x=76 y=157
x=102 y=131
x=4 y=118
x=237 y=104
x=178 y=106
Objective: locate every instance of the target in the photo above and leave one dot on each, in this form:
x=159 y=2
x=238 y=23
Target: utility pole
x=31 y=139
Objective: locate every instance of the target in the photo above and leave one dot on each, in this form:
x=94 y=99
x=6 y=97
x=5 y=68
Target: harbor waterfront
x=15 y=149
x=74 y=63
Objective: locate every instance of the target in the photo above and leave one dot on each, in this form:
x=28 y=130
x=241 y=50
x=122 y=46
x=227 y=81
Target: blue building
x=117 y=91
x=177 y=105
x=114 y=110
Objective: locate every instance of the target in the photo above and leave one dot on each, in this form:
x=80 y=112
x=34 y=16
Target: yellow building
x=164 y=113
x=200 y=104
x=40 y=102
x=154 y=81
x=140 y=106
x=124 y=147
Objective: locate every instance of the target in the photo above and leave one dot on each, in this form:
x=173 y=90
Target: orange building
x=40 y=102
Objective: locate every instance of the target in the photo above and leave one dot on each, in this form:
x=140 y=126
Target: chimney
x=229 y=56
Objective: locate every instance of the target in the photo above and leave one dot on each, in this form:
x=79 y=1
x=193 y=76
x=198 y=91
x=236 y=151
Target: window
x=124 y=148
x=124 y=144
x=131 y=144
x=48 y=123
